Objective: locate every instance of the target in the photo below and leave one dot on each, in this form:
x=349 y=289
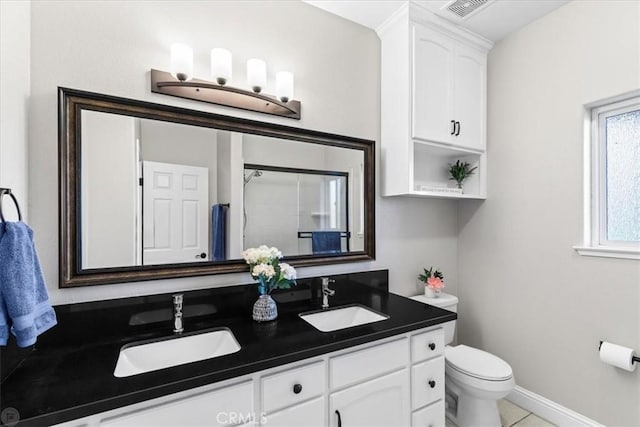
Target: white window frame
x=595 y=221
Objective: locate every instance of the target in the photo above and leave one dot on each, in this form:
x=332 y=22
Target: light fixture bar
x=204 y=91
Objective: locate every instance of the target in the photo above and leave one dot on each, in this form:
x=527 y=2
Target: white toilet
x=474 y=379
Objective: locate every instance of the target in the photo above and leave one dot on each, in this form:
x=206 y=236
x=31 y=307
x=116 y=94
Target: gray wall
x=183 y=145
x=109 y=47
x=15 y=87
x=525 y=294
x=109 y=191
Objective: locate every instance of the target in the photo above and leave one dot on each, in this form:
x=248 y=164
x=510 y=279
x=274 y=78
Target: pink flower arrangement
x=433 y=279
x=435 y=283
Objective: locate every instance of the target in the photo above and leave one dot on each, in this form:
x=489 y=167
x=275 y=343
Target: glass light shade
x=284 y=86
x=256 y=74
x=181 y=61
x=221 y=65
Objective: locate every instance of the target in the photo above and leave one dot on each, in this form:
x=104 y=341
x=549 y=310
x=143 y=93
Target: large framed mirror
x=150 y=191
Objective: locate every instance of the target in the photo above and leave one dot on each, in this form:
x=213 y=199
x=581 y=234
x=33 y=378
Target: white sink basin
x=137 y=358
x=334 y=319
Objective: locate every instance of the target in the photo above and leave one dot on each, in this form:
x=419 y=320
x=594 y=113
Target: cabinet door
x=432 y=81
x=308 y=414
x=381 y=402
x=469 y=87
x=227 y=406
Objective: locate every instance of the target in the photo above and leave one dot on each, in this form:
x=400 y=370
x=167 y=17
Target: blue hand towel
x=326 y=242
x=218 y=222
x=24 y=302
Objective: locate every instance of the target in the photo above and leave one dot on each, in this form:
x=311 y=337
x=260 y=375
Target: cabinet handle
x=432 y=384
x=297 y=388
x=432 y=346
x=458 y=131
x=453 y=127
x=203 y=255
x=339 y=418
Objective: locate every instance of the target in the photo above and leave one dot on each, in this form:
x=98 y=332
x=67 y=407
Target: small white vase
x=431 y=293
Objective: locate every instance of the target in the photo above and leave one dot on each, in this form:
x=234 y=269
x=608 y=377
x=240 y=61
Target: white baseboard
x=549 y=410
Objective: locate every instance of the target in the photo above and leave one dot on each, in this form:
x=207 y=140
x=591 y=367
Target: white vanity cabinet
x=381 y=383
x=433 y=87
x=370 y=387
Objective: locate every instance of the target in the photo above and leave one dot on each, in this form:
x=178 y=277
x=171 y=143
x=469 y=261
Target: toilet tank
x=447 y=302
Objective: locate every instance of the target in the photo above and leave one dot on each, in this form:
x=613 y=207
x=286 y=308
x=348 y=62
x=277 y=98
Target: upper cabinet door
x=432 y=81
x=469 y=88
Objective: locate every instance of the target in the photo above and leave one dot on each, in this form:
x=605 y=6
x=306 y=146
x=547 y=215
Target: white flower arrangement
x=265 y=266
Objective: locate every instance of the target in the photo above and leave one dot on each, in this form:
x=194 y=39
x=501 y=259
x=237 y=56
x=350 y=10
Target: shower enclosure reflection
x=300 y=211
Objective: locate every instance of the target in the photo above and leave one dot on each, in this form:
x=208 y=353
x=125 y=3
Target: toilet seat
x=476 y=363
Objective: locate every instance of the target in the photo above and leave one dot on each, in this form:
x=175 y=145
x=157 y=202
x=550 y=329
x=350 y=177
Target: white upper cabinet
x=432 y=81
x=470 y=97
x=449 y=85
x=433 y=89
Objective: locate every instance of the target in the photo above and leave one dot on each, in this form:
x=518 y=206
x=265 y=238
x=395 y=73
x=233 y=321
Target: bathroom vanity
x=389 y=372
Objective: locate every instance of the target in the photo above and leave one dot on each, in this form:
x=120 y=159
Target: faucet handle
x=327 y=280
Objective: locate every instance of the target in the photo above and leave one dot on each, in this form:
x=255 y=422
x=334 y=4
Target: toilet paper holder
x=634 y=359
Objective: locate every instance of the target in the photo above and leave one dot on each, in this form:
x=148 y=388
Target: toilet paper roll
x=618 y=356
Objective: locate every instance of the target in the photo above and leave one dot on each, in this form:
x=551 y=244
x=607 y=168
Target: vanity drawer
x=427 y=345
x=431 y=416
x=292 y=386
x=427 y=382
x=371 y=362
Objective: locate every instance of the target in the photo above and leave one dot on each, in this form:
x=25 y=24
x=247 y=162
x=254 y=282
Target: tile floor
x=514 y=416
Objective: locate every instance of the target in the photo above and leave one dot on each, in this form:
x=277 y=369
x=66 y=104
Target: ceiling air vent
x=464 y=8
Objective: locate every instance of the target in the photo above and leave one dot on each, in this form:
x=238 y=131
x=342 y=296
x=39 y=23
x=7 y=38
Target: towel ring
x=7 y=191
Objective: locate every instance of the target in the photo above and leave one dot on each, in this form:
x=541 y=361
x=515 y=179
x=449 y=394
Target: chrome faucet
x=326 y=292
x=177 y=313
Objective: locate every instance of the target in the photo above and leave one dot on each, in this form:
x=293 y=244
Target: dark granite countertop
x=69 y=373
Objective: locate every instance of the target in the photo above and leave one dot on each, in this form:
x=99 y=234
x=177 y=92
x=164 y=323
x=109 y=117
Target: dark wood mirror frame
x=72 y=102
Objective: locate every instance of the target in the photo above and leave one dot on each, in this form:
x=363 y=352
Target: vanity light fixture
x=284 y=86
x=181 y=62
x=180 y=82
x=256 y=74
x=221 y=65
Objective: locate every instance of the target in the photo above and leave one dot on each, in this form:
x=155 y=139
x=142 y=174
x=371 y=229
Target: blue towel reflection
x=218 y=228
x=326 y=242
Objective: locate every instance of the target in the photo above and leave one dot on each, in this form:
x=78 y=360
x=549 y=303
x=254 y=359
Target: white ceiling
x=493 y=21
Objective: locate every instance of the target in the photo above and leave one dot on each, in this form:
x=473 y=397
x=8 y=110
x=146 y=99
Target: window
x=612 y=179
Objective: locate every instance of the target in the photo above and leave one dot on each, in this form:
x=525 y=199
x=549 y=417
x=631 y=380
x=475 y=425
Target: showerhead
x=253 y=173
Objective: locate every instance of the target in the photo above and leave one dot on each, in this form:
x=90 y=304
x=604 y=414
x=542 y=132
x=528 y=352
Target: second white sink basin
x=334 y=319
x=147 y=356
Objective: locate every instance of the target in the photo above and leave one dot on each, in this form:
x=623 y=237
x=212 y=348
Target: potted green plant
x=459 y=171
